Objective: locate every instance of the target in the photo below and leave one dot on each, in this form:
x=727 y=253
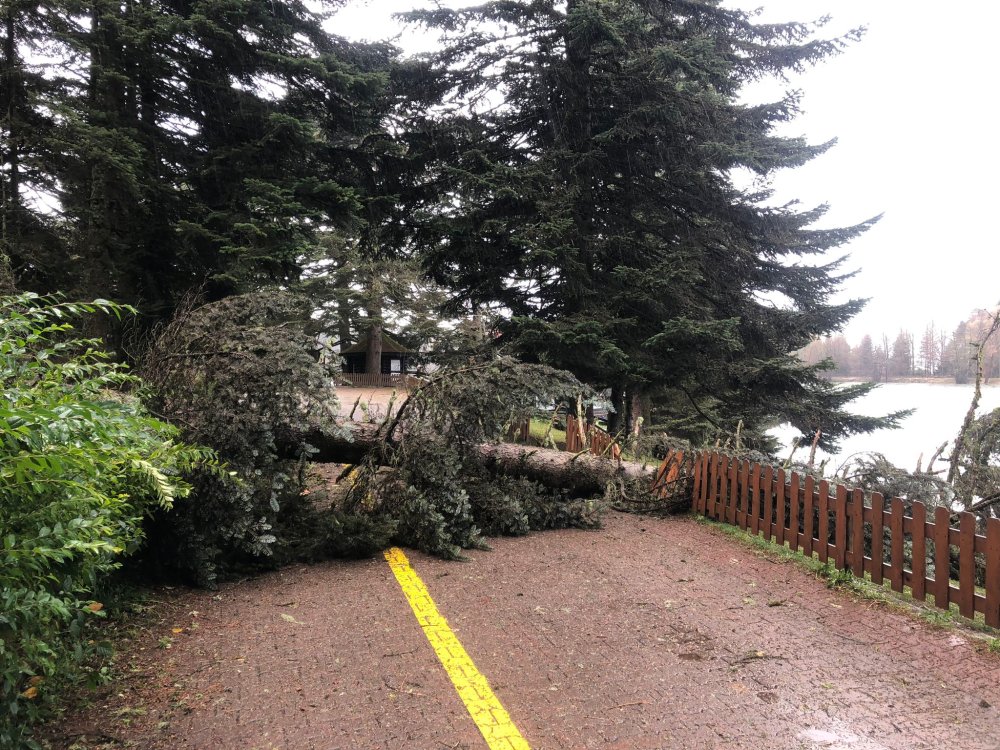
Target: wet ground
x=648 y=634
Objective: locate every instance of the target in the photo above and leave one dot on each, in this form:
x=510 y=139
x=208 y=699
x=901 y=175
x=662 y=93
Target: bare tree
x=970 y=416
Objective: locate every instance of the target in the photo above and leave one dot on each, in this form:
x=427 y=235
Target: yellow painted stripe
x=484 y=707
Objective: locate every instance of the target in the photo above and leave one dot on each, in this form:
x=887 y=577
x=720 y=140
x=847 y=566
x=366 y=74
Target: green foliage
x=977 y=474
x=598 y=205
x=178 y=142
x=241 y=375
x=873 y=472
x=441 y=497
x=514 y=506
x=81 y=465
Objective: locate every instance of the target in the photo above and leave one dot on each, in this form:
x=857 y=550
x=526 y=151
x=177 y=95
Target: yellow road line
x=484 y=707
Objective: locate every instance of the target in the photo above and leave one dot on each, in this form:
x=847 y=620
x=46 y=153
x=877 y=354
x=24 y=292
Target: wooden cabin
x=397 y=361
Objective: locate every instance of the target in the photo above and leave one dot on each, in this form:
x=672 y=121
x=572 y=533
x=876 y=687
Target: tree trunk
x=373 y=358
x=10 y=191
x=615 y=415
x=344 y=323
x=583 y=473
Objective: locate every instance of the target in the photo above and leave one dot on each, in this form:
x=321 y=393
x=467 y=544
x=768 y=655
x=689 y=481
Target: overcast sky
x=912 y=107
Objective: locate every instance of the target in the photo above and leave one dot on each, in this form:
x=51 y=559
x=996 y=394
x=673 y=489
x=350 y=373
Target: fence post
x=858 y=532
x=993 y=572
x=755 y=498
x=896 y=553
x=768 y=500
x=918 y=581
x=967 y=565
x=942 y=558
x=840 y=528
x=793 y=514
x=878 y=536
x=732 y=491
x=779 y=500
x=713 y=484
x=824 y=520
x=808 y=513
x=743 y=516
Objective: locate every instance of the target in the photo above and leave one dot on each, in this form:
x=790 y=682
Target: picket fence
x=861 y=533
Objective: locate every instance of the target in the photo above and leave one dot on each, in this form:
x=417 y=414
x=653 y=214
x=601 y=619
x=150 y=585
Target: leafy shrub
x=81 y=465
x=241 y=375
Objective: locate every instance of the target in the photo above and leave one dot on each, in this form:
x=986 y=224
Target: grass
x=861 y=586
x=537 y=433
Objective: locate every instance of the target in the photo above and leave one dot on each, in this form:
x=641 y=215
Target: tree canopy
x=577 y=170
x=594 y=167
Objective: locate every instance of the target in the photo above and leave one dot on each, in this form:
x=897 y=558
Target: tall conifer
x=595 y=200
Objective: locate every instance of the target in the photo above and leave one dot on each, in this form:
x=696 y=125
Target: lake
x=940 y=409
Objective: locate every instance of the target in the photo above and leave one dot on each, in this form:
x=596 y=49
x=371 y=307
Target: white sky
x=912 y=106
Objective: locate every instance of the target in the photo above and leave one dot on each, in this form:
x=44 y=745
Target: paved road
x=650 y=634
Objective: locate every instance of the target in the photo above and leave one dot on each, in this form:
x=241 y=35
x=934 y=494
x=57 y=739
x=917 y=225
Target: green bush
x=81 y=465
x=243 y=376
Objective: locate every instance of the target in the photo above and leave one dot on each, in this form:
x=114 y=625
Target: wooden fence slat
x=967 y=565
x=732 y=491
x=706 y=464
x=942 y=558
x=743 y=516
x=918 y=582
x=793 y=511
x=767 y=490
x=696 y=486
x=896 y=544
x=878 y=536
x=723 y=505
x=755 y=499
x=823 y=515
x=840 y=528
x=699 y=482
x=779 y=501
x=993 y=572
x=808 y=513
x=858 y=532
x=713 y=484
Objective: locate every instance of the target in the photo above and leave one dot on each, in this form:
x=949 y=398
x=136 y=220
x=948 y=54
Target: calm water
x=940 y=409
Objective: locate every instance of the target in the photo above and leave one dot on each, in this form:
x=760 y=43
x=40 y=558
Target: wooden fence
x=601 y=443
x=858 y=532
x=381 y=380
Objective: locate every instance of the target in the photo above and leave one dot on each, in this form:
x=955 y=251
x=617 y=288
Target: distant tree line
x=934 y=353
x=558 y=171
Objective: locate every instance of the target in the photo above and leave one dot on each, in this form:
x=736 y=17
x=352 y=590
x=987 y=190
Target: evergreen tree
x=594 y=200
x=32 y=135
x=179 y=143
x=864 y=359
x=930 y=353
x=901 y=359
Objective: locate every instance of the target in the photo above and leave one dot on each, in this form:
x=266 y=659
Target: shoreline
x=924 y=379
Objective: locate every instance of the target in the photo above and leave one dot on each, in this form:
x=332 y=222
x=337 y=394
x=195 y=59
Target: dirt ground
x=649 y=634
x=372 y=403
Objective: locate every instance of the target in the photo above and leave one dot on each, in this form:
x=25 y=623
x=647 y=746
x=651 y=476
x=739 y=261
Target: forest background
x=545 y=207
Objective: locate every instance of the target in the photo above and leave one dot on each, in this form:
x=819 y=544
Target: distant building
x=396 y=358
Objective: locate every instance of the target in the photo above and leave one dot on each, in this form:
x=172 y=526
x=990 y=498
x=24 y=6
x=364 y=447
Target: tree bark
x=583 y=473
x=373 y=358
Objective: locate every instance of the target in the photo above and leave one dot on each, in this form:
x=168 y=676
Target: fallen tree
x=240 y=375
x=579 y=473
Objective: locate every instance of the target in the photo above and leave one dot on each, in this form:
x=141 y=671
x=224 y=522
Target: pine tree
x=179 y=144
x=594 y=200
x=32 y=137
